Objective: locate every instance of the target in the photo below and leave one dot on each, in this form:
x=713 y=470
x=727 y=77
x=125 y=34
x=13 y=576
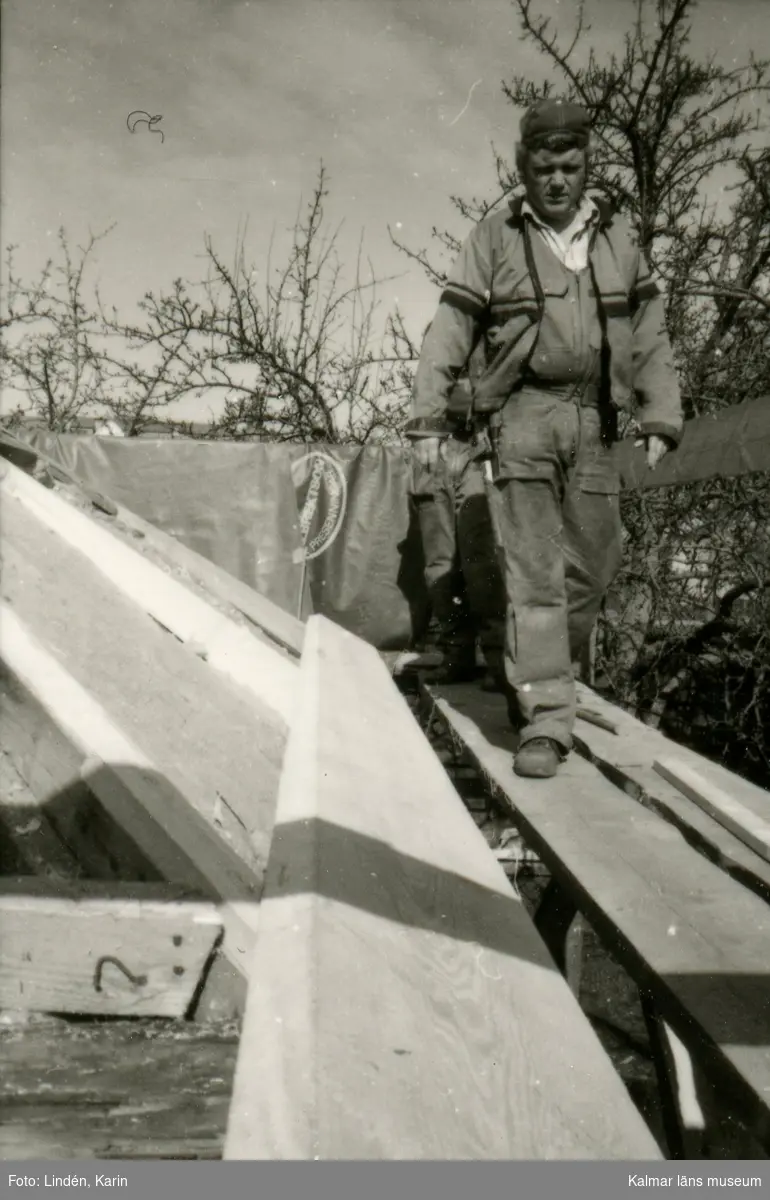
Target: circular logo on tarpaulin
x=321 y=500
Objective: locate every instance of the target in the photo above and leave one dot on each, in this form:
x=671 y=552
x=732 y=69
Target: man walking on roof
x=559 y=294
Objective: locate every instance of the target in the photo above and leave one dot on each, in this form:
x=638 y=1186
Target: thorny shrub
x=684 y=639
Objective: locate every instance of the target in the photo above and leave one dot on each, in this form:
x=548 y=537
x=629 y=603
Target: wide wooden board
x=229 y=648
x=209 y=737
x=695 y=938
x=402 y=1004
x=628 y=758
x=280 y=626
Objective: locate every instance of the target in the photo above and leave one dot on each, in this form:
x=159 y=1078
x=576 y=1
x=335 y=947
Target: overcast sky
x=401 y=99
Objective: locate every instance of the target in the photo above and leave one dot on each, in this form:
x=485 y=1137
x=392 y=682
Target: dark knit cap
x=548 y=117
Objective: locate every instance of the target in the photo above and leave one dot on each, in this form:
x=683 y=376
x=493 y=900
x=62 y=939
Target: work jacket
x=497 y=293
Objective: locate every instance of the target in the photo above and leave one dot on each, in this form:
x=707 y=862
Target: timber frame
x=260 y=842
x=288 y=853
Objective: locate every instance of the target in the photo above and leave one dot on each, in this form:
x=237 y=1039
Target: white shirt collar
x=570 y=245
x=586 y=214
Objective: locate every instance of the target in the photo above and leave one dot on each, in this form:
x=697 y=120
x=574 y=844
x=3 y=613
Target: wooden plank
x=257 y=667
x=404 y=1005
x=699 y=829
x=140 y=1089
x=172 y=833
x=627 y=760
x=80 y=947
x=282 y=627
x=685 y=931
x=207 y=735
x=642 y=743
x=741 y=821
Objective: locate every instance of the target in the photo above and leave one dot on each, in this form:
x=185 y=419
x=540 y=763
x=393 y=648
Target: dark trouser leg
x=481 y=567
x=537 y=652
x=443 y=576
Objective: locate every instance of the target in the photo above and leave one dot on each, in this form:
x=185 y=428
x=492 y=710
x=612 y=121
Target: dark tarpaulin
x=369 y=577
x=734 y=442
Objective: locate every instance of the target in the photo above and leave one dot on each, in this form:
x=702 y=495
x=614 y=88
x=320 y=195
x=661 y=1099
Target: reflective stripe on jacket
x=490 y=293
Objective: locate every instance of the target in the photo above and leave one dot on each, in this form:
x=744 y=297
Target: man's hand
x=657 y=449
x=426 y=451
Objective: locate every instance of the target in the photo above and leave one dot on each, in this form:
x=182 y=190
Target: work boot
x=538 y=758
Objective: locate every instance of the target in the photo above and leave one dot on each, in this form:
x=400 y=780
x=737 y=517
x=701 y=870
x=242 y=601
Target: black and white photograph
x=385 y=596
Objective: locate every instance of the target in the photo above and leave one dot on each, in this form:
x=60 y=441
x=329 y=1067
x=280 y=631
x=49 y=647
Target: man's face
x=554 y=183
